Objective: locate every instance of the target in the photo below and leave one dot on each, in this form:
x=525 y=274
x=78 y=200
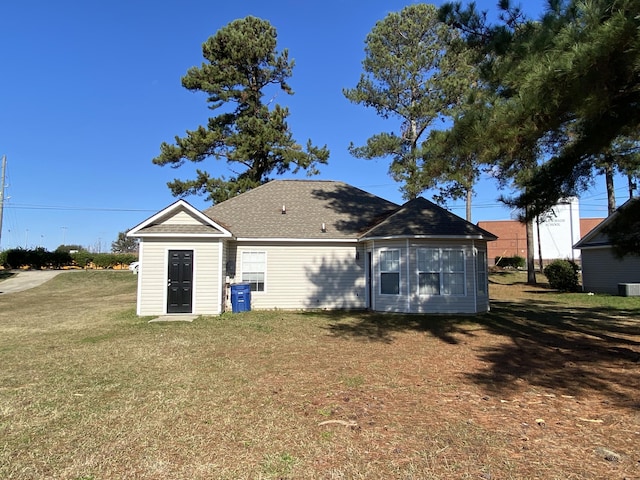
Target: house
x=303 y=244
x=602 y=271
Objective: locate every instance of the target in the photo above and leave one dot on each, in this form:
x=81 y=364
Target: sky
x=89 y=91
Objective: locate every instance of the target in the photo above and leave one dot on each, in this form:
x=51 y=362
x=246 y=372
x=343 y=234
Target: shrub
x=82 y=258
x=562 y=275
x=16 y=258
x=510 y=262
x=38 y=258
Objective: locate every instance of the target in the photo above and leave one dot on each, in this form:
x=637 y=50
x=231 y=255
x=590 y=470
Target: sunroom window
x=390 y=272
x=441 y=271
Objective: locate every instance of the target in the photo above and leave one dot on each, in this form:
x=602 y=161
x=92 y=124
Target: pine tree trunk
x=469 y=197
x=611 y=194
x=531 y=267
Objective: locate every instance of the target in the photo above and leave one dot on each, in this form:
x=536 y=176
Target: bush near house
x=510 y=262
x=562 y=275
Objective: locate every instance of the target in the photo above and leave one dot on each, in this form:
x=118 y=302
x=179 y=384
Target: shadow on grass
x=567 y=350
x=383 y=327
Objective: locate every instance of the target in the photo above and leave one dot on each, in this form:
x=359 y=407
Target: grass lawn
x=545 y=386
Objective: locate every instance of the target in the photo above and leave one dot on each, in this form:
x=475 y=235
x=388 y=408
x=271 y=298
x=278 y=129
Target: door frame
x=168 y=282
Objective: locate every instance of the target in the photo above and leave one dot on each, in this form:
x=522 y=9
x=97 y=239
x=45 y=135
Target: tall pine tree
x=251 y=135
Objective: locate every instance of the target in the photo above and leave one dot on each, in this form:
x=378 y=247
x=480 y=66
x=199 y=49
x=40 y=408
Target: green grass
x=88 y=390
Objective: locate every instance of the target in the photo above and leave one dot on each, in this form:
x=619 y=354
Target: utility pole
x=2 y=181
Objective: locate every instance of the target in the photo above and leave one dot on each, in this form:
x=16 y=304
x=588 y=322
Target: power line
x=18 y=206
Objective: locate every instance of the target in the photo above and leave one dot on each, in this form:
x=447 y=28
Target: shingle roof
x=179 y=229
x=345 y=210
x=420 y=217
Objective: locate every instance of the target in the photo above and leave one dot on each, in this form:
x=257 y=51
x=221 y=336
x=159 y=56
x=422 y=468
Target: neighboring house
x=602 y=271
x=308 y=245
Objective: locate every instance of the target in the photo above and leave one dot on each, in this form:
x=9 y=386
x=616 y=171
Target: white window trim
x=257 y=292
x=441 y=273
x=381 y=271
x=485 y=273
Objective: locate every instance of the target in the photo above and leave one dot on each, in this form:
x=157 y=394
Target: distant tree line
x=62 y=257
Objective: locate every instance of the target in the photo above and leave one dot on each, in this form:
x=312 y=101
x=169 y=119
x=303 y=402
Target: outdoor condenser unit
x=629 y=289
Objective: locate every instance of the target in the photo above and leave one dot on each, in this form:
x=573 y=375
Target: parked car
x=134 y=267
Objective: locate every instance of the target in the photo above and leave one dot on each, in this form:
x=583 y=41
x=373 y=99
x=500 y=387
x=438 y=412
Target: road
x=26 y=279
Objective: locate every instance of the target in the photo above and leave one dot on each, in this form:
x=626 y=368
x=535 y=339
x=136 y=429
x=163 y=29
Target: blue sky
x=89 y=90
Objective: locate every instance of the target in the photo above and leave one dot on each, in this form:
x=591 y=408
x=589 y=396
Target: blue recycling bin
x=240 y=297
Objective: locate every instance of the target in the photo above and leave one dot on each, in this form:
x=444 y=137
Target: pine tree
x=251 y=135
x=412 y=75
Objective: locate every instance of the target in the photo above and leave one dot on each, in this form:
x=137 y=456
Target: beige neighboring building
x=300 y=244
x=602 y=270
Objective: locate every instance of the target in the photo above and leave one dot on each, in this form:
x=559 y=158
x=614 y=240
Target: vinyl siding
x=602 y=271
x=182 y=218
x=409 y=301
x=305 y=275
x=152 y=280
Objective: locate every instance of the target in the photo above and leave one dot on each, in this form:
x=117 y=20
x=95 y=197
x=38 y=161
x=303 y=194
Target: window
x=428 y=271
x=390 y=272
x=452 y=272
x=440 y=272
x=253 y=270
x=481 y=269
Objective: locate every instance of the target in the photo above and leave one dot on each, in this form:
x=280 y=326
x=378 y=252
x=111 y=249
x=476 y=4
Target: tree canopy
x=252 y=136
x=124 y=244
x=567 y=87
x=412 y=73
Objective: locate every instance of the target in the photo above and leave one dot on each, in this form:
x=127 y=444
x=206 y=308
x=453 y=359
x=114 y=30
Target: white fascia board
x=595 y=247
x=183 y=235
x=307 y=240
x=176 y=206
x=425 y=237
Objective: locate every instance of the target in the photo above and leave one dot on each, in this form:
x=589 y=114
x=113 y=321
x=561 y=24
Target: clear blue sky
x=89 y=90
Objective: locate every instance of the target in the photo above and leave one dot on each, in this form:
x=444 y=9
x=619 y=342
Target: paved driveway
x=26 y=279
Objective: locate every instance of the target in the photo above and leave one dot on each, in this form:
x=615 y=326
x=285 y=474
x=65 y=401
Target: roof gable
x=180 y=219
x=298 y=209
x=422 y=218
x=597 y=237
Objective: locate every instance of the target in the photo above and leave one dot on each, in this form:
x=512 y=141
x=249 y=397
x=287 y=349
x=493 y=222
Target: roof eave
x=181 y=235
x=291 y=239
x=427 y=237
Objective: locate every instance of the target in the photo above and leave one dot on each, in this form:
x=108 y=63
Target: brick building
x=512 y=239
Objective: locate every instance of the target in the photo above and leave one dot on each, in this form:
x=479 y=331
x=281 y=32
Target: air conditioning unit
x=629 y=289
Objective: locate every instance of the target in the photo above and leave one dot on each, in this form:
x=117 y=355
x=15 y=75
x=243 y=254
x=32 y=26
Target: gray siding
x=409 y=300
x=305 y=275
x=153 y=276
x=602 y=271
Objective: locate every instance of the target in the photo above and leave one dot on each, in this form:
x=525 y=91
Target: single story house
x=306 y=244
x=602 y=271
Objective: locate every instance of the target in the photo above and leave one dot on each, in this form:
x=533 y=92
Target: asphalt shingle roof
x=420 y=217
x=345 y=210
x=180 y=229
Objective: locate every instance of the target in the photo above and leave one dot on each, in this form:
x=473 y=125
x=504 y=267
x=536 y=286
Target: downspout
x=408 y=277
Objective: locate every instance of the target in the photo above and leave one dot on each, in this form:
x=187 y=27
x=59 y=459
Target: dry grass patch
x=531 y=390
